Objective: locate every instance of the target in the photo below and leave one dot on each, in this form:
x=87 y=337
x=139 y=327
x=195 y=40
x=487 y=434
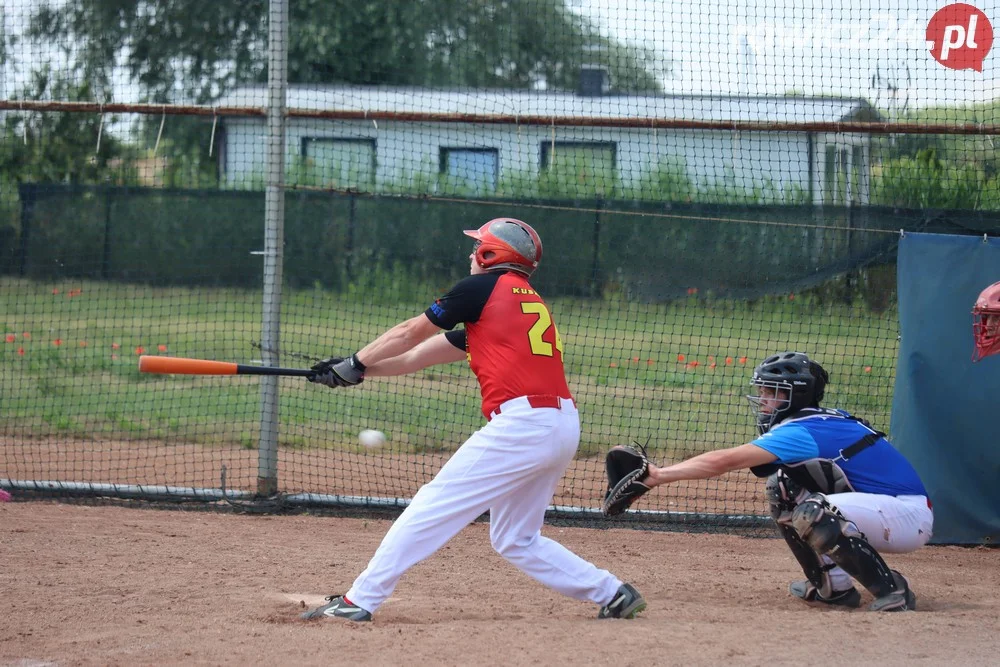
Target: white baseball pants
x=891 y=524
x=510 y=467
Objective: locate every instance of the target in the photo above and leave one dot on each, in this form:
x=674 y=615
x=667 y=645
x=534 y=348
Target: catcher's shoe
x=627 y=603
x=804 y=590
x=338 y=607
x=901 y=599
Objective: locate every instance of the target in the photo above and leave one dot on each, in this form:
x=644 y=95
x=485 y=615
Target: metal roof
x=540 y=103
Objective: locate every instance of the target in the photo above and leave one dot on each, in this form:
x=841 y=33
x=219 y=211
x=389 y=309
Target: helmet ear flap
x=484 y=255
x=822 y=378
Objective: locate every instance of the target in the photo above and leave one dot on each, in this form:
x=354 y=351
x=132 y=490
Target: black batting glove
x=322 y=369
x=338 y=372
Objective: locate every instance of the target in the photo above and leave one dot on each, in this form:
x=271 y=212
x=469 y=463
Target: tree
x=48 y=148
x=55 y=147
x=199 y=50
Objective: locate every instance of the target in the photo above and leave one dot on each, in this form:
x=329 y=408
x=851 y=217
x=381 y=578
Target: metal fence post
x=274 y=221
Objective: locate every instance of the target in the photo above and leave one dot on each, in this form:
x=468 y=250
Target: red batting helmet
x=506 y=243
x=986 y=322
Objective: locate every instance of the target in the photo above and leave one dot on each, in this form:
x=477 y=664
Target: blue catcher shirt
x=877 y=469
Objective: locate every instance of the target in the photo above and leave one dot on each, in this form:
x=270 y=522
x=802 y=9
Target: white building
x=832 y=168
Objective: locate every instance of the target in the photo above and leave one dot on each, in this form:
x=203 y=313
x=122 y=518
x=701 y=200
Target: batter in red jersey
x=510 y=466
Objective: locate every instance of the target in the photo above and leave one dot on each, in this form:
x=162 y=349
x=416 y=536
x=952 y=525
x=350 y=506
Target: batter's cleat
x=901 y=599
x=627 y=603
x=338 y=607
x=804 y=590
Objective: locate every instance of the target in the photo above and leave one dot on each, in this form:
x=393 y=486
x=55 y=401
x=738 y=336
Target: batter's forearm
x=402 y=364
x=392 y=343
x=436 y=350
x=401 y=338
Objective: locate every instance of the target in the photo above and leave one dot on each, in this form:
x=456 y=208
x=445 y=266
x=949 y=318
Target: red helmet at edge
x=507 y=243
x=986 y=322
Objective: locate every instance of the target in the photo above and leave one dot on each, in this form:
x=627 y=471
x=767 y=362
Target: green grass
x=622 y=359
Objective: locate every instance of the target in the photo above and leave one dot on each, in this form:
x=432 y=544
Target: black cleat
x=901 y=599
x=804 y=590
x=338 y=607
x=627 y=603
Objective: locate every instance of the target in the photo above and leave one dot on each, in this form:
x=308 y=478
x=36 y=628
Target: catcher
x=837 y=489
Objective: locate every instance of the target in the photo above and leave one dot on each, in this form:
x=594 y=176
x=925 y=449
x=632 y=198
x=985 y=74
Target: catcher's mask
x=986 y=322
x=794 y=381
x=506 y=243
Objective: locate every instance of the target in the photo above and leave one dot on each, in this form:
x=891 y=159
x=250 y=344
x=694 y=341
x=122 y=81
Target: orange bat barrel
x=182 y=366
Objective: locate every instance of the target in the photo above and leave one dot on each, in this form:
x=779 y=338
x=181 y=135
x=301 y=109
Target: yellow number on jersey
x=538 y=329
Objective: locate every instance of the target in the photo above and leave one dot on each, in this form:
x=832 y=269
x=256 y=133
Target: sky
x=808 y=46
x=772 y=47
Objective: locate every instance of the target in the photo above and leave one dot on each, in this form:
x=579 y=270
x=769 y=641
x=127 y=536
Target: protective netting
x=711 y=186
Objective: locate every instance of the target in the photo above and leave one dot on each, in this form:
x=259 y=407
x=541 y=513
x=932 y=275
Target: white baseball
x=371 y=438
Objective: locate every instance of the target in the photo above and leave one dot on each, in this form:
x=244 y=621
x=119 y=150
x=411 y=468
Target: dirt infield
x=107 y=585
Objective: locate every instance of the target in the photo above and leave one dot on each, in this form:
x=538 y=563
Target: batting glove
x=338 y=372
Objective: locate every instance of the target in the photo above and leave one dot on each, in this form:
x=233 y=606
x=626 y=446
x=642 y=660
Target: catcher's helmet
x=506 y=243
x=802 y=380
x=986 y=322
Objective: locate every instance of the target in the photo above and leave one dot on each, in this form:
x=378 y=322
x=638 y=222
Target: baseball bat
x=182 y=366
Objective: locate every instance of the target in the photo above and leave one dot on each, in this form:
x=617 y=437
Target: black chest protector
x=822 y=475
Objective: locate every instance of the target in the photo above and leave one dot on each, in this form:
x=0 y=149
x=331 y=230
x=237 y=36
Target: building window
x=473 y=168
x=344 y=163
x=589 y=166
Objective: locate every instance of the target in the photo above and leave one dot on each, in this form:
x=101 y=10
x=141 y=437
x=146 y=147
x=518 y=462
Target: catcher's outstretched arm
x=711 y=464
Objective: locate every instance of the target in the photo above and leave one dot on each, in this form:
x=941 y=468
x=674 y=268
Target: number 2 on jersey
x=538 y=329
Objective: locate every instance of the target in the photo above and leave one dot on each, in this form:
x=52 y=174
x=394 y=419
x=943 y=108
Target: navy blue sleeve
x=464 y=302
x=456 y=338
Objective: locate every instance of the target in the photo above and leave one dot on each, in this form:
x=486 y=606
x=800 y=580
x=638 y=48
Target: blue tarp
x=946 y=409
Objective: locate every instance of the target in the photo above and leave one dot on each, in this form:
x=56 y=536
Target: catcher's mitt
x=627 y=466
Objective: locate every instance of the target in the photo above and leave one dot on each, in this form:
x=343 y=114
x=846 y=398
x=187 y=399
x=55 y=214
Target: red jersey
x=512 y=343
